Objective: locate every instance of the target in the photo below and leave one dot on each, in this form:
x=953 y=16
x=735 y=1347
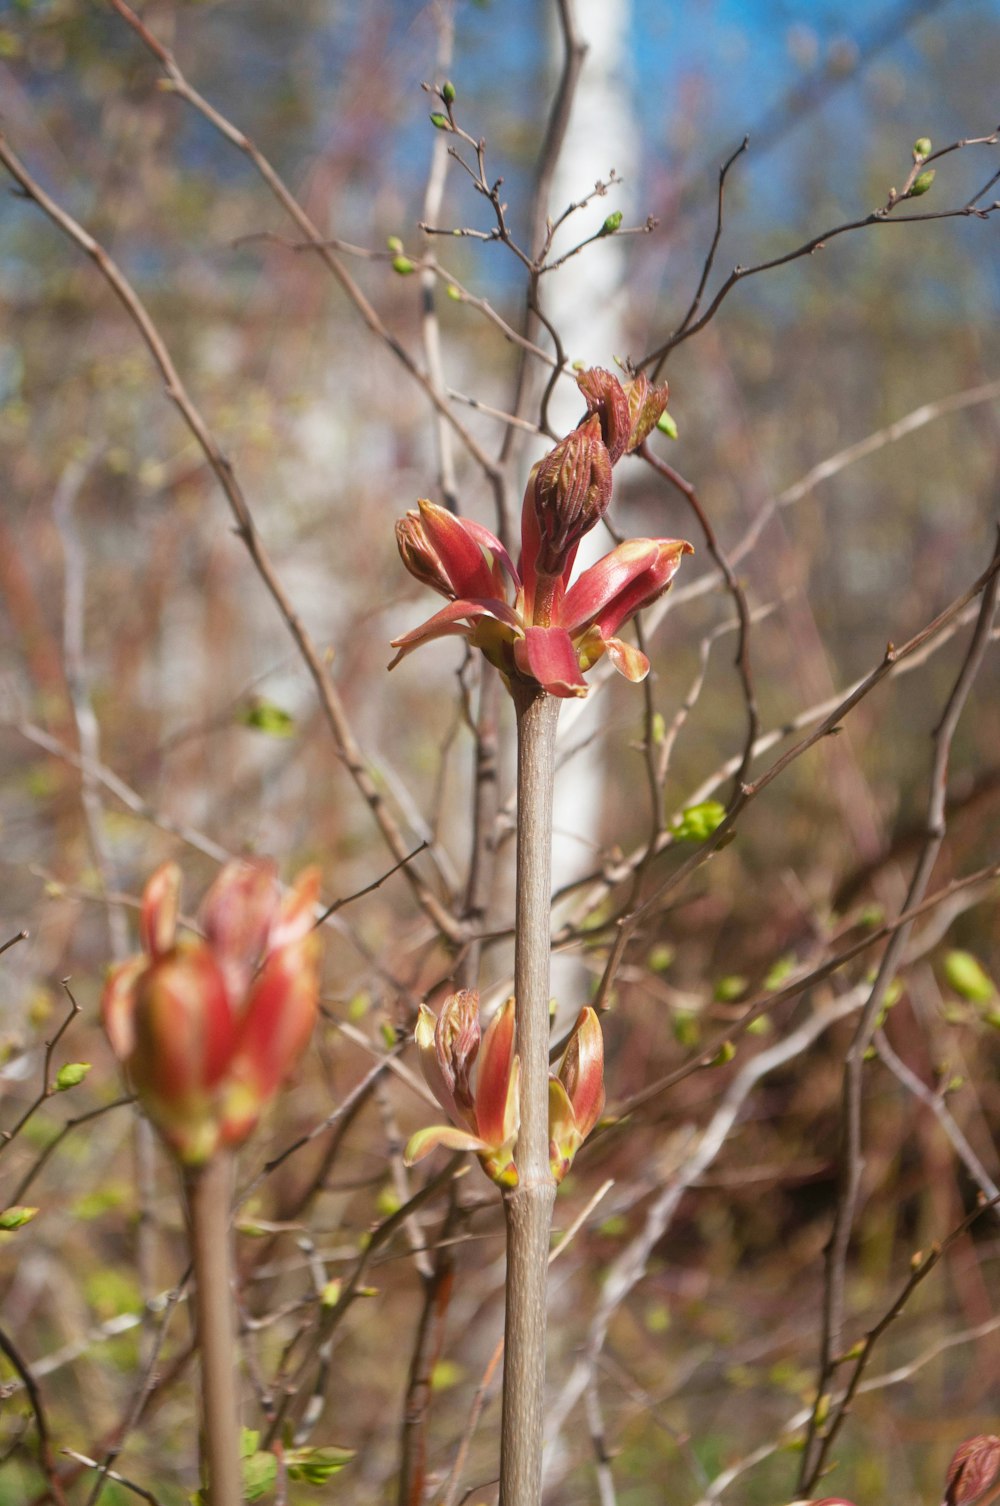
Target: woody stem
x=209 y=1197
x=528 y=1206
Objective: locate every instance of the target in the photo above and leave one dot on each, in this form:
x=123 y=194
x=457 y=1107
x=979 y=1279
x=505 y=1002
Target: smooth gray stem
x=528 y=1206
x=209 y=1194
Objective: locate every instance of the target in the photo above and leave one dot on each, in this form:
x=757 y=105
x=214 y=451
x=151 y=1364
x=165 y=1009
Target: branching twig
x=820 y=1435
x=329 y=696
x=881 y=216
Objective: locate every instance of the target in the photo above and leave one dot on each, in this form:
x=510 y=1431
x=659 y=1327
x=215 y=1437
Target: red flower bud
x=606 y=397
x=569 y=493
x=628 y=411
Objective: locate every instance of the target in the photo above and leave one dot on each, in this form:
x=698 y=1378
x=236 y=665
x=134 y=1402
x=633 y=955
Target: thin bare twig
x=882 y=216
x=821 y=1433
x=627 y=924
x=736 y=591
x=329 y=697
x=46 y=1460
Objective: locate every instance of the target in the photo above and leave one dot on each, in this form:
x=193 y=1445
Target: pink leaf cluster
x=484 y=1113
x=530 y=621
x=207 y=1028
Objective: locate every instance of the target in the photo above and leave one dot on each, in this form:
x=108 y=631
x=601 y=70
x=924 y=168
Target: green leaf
x=70 y=1075
x=265 y=716
x=439 y=121
x=697 y=822
x=16 y=1216
x=316 y=1465
x=260 y=1471
x=612 y=223
x=403 y=265
x=967 y=976
x=666 y=425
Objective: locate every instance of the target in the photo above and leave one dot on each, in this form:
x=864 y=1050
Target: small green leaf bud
x=923 y=183
x=403 y=265
x=439 y=121
x=449 y=96
x=666 y=425
x=70 y=1075
x=921 y=148
x=729 y=989
x=697 y=822
x=14 y=1217
x=612 y=223
x=455 y=294
x=725 y=1054
x=394 y=244
x=967 y=976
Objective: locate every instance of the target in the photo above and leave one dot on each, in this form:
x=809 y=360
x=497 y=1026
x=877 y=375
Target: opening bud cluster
x=484 y=1113
x=207 y=1027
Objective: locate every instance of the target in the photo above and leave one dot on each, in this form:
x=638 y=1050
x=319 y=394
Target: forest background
x=154 y=705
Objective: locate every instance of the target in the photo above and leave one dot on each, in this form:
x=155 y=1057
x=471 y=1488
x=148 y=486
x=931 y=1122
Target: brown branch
x=180 y=86
x=246 y=530
x=736 y=591
x=71 y=1124
x=46 y=1460
x=12 y=941
x=765 y=1002
x=923 y=1266
x=627 y=924
x=820 y=1436
x=709 y=262
x=881 y=216
x=47 y=1088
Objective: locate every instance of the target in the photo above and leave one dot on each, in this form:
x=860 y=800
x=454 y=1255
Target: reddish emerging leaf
x=296 y=915
x=460 y=618
x=457 y=548
x=599 y=585
x=548 y=656
x=643 y=588
x=581 y=1071
x=973 y=1469
x=158 y=912
x=118 y=1005
x=496 y=1115
x=236 y=914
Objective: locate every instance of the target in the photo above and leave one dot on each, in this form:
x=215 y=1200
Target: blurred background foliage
x=125 y=595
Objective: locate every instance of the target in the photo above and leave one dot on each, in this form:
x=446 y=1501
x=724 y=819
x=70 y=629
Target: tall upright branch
x=528 y=1206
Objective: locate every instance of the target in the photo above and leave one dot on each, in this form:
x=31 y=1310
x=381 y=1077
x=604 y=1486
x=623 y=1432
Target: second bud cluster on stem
x=484 y=1114
x=208 y=1026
